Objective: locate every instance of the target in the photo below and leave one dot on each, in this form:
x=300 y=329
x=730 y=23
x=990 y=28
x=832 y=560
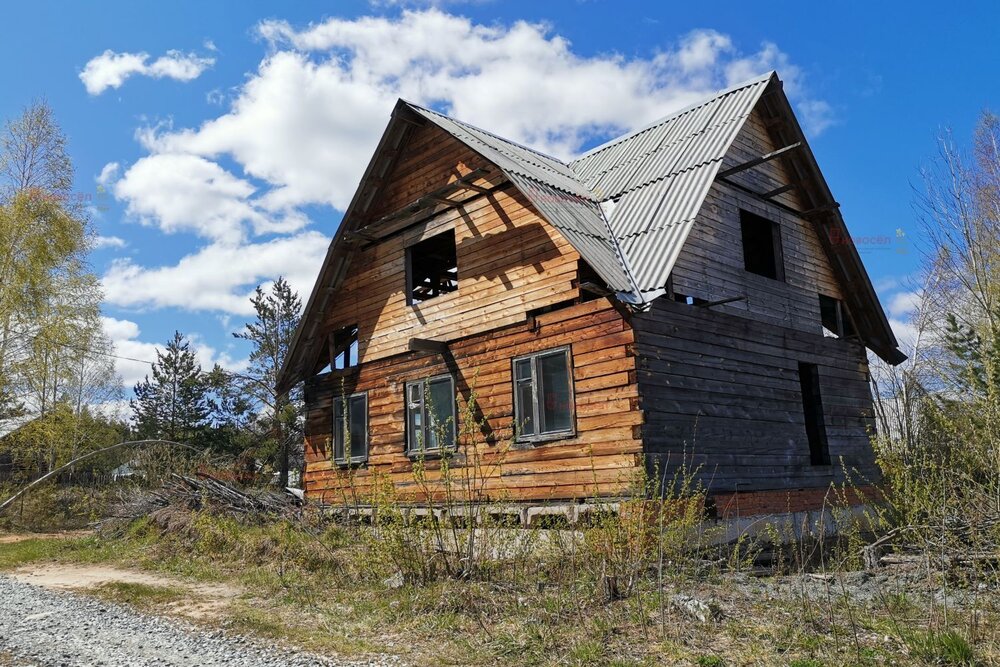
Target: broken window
x=432 y=267
x=543 y=395
x=350 y=429
x=430 y=415
x=761 y=246
x=812 y=408
x=344 y=348
x=834 y=316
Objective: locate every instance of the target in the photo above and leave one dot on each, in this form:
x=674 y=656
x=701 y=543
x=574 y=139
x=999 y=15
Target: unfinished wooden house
x=687 y=294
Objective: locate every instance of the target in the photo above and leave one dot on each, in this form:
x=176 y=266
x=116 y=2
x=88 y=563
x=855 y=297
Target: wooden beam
x=594 y=288
x=434 y=197
x=425 y=345
x=770 y=194
x=759 y=197
x=758 y=160
x=719 y=302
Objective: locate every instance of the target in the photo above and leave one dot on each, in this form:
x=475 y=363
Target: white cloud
x=300 y=131
x=109 y=173
x=134 y=356
x=109 y=242
x=816 y=116
x=111 y=69
x=183 y=192
x=902 y=304
x=124 y=335
x=307 y=120
x=218 y=277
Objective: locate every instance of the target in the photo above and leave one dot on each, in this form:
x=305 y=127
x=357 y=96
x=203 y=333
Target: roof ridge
x=487 y=132
x=691 y=107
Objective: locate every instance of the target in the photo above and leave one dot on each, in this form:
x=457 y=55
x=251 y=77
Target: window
x=543 y=396
x=430 y=415
x=812 y=407
x=761 y=246
x=431 y=268
x=344 y=348
x=350 y=429
x=834 y=316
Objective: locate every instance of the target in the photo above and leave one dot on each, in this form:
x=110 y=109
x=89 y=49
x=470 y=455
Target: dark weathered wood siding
x=721 y=384
x=710 y=266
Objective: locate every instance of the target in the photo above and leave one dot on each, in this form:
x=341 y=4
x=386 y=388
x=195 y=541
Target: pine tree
x=271 y=335
x=175 y=404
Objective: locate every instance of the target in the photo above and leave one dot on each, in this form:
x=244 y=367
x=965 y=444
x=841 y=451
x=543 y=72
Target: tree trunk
x=282 y=444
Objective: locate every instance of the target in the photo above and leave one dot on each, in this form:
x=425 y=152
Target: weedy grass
x=143 y=596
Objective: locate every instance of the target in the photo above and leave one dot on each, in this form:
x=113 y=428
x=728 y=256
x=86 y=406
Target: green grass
x=325 y=596
x=144 y=596
x=942 y=648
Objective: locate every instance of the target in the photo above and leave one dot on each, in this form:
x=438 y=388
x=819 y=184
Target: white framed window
x=543 y=395
x=350 y=429
x=430 y=415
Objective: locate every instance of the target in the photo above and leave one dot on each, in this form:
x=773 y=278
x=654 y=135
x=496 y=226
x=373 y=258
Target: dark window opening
x=812 y=407
x=834 y=316
x=761 y=246
x=430 y=415
x=543 y=396
x=350 y=429
x=432 y=267
x=591 y=285
x=344 y=348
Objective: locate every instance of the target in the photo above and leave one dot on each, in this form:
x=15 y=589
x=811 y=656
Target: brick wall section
x=753 y=503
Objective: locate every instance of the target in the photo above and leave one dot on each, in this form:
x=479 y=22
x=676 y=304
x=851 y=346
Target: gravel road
x=43 y=627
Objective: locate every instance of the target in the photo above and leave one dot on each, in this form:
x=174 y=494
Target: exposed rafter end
x=719 y=302
x=771 y=194
x=594 y=288
x=826 y=208
x=749 y=164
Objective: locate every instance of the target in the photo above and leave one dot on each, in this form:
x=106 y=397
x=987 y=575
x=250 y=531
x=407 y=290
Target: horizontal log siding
x=606 y=448
x=723 y=391
x=509 y=260
x=711 y=264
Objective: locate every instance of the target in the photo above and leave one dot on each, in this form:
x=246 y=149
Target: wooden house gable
x=510 y=261
x=712 y=265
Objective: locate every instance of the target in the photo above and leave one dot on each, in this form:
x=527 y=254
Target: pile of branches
x=205 y=493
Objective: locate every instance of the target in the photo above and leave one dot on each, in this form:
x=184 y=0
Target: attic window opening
x=432 y=267
x=344 y=348
x=761 y=246
x=834 y=317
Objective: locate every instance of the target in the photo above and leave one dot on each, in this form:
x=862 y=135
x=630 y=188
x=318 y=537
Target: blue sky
x=231 y=135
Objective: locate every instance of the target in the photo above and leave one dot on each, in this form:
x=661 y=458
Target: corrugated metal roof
x=659 y=177
x=651 y=183
x=510 y=156
x=582 y=224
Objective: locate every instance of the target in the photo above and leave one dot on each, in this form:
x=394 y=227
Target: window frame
x=844 y=325
x=410 y=301
x=342 y=342
x=346 y=399
x=411 y=449
x=777 y=247
x=536 y=416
